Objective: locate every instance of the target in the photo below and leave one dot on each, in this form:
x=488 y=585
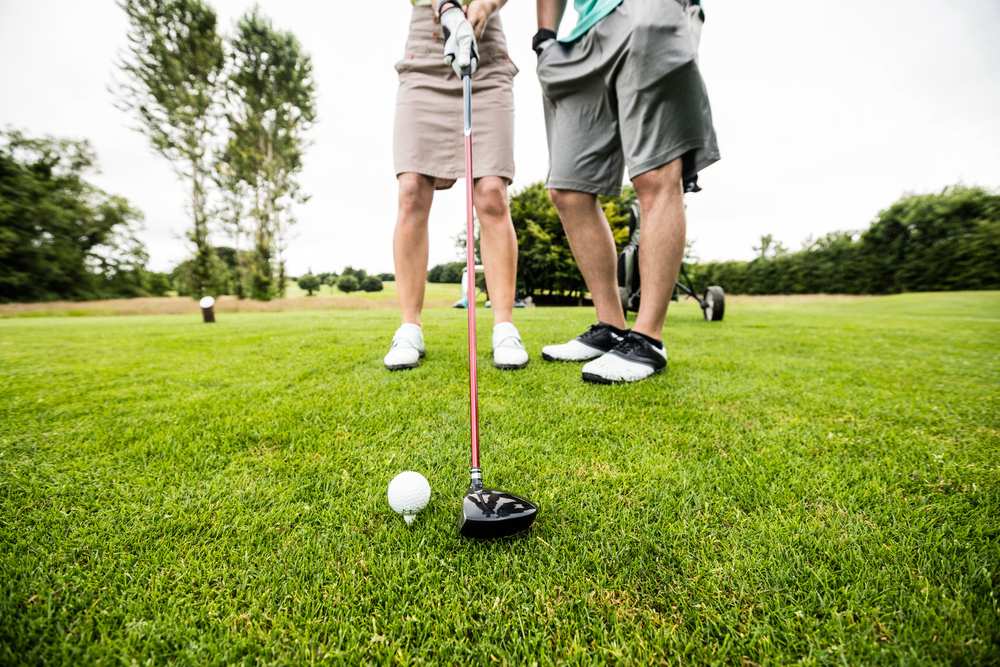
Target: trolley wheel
x=714 y=307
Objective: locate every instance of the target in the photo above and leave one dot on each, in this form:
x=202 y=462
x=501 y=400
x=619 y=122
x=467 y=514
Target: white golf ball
x=409 y=493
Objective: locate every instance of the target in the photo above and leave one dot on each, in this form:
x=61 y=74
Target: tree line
x=62 y=237
x=948 y=240
x=231 y=115
x=924 y=242
x=349 y=280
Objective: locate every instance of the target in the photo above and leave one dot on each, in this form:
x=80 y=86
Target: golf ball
x=408 y=494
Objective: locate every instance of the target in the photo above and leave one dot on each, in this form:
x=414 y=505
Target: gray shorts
x=627 y=93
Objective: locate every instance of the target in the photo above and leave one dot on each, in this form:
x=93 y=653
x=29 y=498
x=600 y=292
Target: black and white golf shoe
x=635 y=358
x=591 y=344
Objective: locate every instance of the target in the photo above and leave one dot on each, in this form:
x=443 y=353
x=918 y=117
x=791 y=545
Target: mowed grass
x=813 y=481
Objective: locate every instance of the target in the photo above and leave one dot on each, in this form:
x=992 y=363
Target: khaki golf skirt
x=428 y=136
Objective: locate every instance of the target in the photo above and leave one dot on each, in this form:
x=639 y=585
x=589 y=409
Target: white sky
x=826 y=112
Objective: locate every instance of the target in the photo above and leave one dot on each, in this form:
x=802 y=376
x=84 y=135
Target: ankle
x=612 y=319
x=653 y=337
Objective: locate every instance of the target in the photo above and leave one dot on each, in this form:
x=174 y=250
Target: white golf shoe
x=407 y=348
x=635 y=358
x=508 y=350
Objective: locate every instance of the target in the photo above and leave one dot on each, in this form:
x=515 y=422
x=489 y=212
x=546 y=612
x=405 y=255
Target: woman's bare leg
x=498 y=245
x=410 y=246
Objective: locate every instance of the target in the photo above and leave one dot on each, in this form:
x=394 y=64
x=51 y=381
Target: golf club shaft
x=470 y=289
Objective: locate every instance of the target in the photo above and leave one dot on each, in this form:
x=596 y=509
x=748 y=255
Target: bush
x=309 y=283
x=371 y=284
x=446 y=273
x=348 y=283
x=387 y=277
x=360 y=274
x=158 y=283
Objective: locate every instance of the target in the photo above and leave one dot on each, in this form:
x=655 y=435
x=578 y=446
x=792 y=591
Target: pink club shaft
x=470 y=289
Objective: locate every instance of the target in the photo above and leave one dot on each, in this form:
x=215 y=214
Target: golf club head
x=489 y=513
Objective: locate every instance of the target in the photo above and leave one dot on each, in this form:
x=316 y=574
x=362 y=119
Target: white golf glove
x=460 y=42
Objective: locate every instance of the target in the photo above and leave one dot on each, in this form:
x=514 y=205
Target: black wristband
x=543 y=35
x=441 y=7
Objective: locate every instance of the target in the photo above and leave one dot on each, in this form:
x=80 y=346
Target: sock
x=620 y=332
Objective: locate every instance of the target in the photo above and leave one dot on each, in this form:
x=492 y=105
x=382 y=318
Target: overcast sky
x=826 y=112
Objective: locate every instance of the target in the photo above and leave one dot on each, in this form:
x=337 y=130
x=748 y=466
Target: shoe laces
x=629 y=344
x=595 y=330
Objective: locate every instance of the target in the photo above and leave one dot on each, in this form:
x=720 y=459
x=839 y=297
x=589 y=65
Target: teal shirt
x=590 y=11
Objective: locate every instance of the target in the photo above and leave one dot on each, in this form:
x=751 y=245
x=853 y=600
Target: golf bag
x=713 y=302
x=628 y=265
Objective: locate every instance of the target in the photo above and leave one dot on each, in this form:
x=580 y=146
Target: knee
x=659 y=186
x=568 y=201
x=414 y=197
x=491 y=200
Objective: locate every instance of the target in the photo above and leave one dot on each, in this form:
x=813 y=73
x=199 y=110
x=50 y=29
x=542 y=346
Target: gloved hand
x=460 y=42
x=542 y=40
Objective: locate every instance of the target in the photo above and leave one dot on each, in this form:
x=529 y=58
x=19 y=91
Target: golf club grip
x=470 y=267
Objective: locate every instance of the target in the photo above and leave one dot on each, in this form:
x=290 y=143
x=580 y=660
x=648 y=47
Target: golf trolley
x=713 y=302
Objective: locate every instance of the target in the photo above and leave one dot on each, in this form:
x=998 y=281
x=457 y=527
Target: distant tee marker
x=207 y=304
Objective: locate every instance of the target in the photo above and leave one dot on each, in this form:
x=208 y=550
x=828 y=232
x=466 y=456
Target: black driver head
x=488 y=513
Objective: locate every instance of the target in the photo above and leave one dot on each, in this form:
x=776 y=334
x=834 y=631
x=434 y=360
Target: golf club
x=486 y=513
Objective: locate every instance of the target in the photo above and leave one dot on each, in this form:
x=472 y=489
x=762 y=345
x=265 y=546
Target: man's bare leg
x=410 y=246
x=593 y=247
x=498 y=245
x=661 y=250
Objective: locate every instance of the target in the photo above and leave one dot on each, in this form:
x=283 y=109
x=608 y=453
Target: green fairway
x=813 y=480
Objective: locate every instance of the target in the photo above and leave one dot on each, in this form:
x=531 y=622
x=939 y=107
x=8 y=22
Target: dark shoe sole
x=406 y=367
x=510 y=367
x=547 y=357
x=402 y=367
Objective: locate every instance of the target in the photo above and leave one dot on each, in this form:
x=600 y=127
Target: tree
x=387 y=277
x=271 y=106
x=769 y=248
x=234 y=195
x=545 y=261
x=371 y=284
x=172 y=73
x=225 y=266
x=309 y=283
x=348 y=283
x=60 y=236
